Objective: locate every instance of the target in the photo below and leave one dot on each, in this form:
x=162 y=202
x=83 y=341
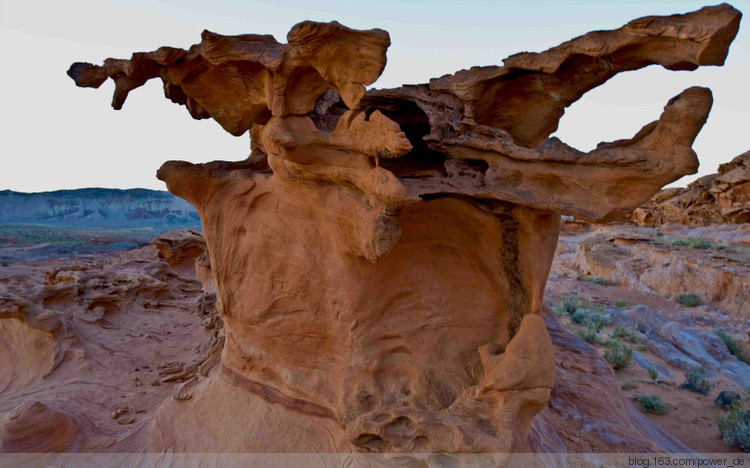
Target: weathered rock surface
x=714 y=199
x=684 y=347
x=380 y=258
x=33 y=342
x=91 y=348
x=167 y=356
x=712 y=263
x=181 y=249
x=597 y=417
x=36 y=428
x=664 y=336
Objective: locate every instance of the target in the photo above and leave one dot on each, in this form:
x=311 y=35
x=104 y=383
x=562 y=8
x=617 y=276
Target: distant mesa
x=98 y=207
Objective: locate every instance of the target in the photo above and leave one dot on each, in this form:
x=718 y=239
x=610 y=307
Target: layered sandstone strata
x=714 y=199
x=380 y=258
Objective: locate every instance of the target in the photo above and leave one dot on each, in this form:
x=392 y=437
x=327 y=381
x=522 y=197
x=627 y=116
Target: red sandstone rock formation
x=380 y=258
x=91 y=348
x=713 y=199
x=180 y=249
x=34 y=427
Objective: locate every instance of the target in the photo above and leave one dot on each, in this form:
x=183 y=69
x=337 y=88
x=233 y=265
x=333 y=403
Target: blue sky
x=54 y=135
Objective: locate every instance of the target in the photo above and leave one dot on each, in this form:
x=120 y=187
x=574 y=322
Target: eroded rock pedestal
x=380 y=258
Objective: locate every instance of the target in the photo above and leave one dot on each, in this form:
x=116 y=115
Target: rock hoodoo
x=380 y=257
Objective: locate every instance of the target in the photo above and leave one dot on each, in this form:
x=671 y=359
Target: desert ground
x=101 y=340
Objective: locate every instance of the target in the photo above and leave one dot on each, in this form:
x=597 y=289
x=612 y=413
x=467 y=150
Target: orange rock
x=36 y=428
x=380 y=258
x=181 y=249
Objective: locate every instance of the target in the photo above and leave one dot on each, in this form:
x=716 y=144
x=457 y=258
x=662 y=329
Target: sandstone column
x=381 y=256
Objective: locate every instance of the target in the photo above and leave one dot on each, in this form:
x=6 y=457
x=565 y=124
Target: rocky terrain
x=668 y=301
x=717 y=198
x=126 y=332
x=93 y=348
x=675 y=288
x=96 y=347
x=379 y=263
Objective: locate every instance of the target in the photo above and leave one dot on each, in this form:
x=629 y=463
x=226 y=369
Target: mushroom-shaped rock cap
x=480 y=133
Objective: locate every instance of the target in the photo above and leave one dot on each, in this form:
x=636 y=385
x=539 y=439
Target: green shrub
x=653 y=404
x=595 y=280
x=628 y=334
x=735 y=428
x=652 y=373
x=733 y=346
x=619 y=305
x=695 y=380
x=689 y=300
x=618 y=355
x=565 y=307
x=595 y=317
x=697 y=243
x=589 y=333
x=726 y=399
x=628 y=386
x=694 y=242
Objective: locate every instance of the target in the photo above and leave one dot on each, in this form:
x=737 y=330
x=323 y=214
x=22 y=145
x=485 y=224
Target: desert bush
x=689 y=300
x=584 y=316
x=726 y=399
x=735 y=428
x=589 y=333
x=619 y=305
x=697 y=243
x=628 y=386
x=628 y=334
x=595 y=280
x=565 y=307
x=618 y=355
x=733 y=346
x=653 y=375
x=695 y=380
x=694 y=242
x=653 y=404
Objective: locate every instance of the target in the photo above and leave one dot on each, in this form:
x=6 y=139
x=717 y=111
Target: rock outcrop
x=380 y=258
x=33 y=342
x=599 y=419
x=714 y=199
x=35 y=427
x=180 y=249
x=711 y=262
x=91 y=348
